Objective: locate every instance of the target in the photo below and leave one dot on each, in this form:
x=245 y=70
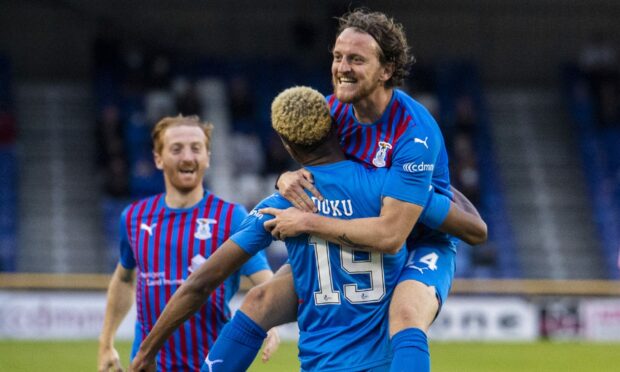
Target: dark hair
x=388 y=34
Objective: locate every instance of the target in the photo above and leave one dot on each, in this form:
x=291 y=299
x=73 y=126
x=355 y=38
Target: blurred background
x=527 y=94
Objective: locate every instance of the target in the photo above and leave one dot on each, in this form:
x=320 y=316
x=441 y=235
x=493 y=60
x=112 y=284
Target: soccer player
x=381 y=126
x=342 y=293
x=164 y=238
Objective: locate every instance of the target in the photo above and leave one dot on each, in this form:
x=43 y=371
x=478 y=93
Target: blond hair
x=301 y=116
x=169 y=122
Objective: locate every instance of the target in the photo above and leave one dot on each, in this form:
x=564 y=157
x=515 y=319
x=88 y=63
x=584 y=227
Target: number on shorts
x=430 y=260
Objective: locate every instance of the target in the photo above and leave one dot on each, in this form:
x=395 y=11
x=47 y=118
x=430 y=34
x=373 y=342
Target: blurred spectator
x=277 y=158
x=112 y=156
x=242 y=106
x=484 y=260
x=248 y=158
x=187 y=99
x=599 y=61
x=159 y=104
x=465 y=115
x=465 y=167
x=135 y=70
x=7 y=125
x=430 y=101
x=159 y=73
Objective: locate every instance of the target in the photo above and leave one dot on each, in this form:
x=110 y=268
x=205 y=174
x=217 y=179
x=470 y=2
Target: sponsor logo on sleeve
x=414 y=167
x=256 y=214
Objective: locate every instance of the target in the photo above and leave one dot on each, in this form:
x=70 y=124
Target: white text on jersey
x=334 y=208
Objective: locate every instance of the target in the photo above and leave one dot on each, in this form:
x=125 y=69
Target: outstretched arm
x=121 y=292
x=188 y=299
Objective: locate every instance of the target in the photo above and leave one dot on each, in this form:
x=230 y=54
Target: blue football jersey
x=343 y=293
x=165 y=245
x=408 y=141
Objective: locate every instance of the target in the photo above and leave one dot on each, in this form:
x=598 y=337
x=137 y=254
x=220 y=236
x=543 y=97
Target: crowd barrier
x=71 y=306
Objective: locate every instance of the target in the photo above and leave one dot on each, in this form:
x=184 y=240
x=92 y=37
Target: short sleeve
x=257 y=263
x=409 y=178
x=127 y=258
x=239 y=214
x=251 y=235
x=436 y=210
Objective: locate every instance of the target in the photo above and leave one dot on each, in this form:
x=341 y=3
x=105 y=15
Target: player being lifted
x=381 y=126
x=342 y=293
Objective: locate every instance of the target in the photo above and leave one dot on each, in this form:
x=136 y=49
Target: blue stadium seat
x=601 y=159
x=8 y=208
x=453 y=80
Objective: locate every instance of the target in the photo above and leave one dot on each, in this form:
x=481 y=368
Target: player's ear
x=387 y=70
x=159 y=163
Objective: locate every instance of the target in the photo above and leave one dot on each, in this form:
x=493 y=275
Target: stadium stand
x=134 y=103
x=600 y=152
x=459 y=82
x=8 y=172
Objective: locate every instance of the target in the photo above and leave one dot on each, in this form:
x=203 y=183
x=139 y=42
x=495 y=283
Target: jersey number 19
x=373 y=266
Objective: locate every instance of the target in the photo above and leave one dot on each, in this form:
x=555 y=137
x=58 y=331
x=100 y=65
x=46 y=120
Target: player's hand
x=292 y=184
x=108 y=360
x=287 y=222
x=271 y=344
x=142 y=364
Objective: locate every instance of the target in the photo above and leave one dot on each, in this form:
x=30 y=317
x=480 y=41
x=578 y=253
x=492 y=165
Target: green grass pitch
x=80 y=356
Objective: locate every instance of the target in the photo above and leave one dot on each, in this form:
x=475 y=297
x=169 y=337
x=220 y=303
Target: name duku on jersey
x=334 y=208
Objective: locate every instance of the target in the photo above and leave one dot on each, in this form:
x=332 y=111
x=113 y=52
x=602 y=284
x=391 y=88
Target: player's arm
x=188 y=298
x=120 y=297
x=386 y=233
x=292 y=186
x=464 y=221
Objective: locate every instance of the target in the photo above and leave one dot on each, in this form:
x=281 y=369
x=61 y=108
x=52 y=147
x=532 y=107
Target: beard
x=361 y=90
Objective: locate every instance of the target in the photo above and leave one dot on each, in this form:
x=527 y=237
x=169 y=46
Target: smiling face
x=183 y=157
x=356 y=70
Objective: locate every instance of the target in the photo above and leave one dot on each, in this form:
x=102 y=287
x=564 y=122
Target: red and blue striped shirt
x=165 y=245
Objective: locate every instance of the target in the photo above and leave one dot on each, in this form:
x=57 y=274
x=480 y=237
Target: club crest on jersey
x=379 y=159
x=203 y=230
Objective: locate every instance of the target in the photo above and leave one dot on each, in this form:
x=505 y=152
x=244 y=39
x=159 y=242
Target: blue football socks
x=236 y=347
x=410 y=348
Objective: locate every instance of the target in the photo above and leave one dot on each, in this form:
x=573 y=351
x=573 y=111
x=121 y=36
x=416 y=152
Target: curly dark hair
x=389 y=35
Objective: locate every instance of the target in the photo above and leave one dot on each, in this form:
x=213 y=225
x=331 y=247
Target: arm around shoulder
x=386 y=233
x=464 y=221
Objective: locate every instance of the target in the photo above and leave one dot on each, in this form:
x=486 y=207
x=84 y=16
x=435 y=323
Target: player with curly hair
x=383 y=127
x=342 y=326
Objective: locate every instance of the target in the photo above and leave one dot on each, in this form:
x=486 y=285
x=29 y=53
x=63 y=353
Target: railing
x=526 y=287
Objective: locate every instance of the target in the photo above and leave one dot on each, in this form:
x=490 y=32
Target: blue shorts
x=432 y=265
